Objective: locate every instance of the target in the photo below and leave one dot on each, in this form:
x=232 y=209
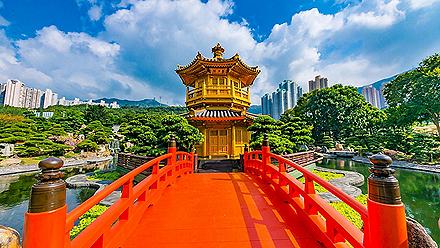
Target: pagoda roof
x=203 y=65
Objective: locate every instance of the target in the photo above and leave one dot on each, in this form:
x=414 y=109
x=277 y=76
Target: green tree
x=97 y=132
x=186 y=135
x=263 y=124
x=295 y=129
x=149 y=134
x=97 y=113
x=415 y=94
x=338 y=111
x=87 y=145
x=285 y=136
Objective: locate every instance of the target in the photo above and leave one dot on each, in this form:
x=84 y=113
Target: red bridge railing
x=384 y=219
x=51 y=228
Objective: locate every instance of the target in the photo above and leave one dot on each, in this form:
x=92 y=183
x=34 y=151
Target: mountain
x=255 y=109
x=132 y=103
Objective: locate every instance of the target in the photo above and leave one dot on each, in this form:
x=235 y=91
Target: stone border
x=347 y=183
x=80 y=181
x=403 y=165
x=22 y=169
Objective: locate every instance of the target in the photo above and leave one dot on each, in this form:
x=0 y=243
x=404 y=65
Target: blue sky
x=130 y=48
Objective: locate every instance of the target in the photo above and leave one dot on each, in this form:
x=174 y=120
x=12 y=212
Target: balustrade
x=47 y=223
x=384 y=223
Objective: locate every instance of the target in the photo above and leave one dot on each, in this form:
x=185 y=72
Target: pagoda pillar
x=232 y=151
x=205 y=152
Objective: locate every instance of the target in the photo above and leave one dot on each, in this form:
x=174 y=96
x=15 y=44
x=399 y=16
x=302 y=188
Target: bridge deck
x=219 y=210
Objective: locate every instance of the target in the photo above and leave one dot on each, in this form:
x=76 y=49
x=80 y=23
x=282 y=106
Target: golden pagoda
x=218 y=97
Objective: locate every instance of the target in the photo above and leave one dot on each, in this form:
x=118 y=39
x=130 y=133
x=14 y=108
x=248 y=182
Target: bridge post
x=172 y=149
x=45 y=221
x=265 y=150
x=193 y=159
x=386 y=212
x=245 y=157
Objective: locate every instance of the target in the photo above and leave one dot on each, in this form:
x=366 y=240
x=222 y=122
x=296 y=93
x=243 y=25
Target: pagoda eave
x=217 y=119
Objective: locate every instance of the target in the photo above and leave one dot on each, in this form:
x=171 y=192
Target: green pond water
x=420 y=192
x=15 y=192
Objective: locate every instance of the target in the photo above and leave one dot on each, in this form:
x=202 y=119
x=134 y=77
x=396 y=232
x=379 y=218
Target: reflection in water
x=420 y=192
x=15 y=192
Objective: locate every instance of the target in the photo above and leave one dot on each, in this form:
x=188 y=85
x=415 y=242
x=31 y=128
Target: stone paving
x=403 y=165
x=347 y=184
x=18 y=169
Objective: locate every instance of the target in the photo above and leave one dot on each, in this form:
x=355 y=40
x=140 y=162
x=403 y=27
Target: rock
x=10 y=161
x=339 y=147
x=9 y=238
x=417 y=235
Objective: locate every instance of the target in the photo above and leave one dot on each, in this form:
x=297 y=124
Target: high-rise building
x=14 y=93
x=318 y=83
x=266 y=104
x=47 y=98
x=32 y=98
x=371 y=95
x=284 y=98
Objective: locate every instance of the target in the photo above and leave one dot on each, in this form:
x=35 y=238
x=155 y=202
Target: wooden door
x=218 y=142
x=223 y=142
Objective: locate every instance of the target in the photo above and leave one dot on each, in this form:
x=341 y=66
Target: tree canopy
x=415 y=95
x=338 y=112
x=287 y=135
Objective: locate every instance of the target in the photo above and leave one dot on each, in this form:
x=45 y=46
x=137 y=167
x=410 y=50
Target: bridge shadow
x=270 y=222
x=220 y=210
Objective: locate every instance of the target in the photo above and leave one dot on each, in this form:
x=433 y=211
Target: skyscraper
x=32 y=98
x=14 y=93
x=283 y=98
x=318 y=83
x=49 y=98
x=371 y=95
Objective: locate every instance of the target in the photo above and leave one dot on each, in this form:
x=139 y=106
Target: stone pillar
x=45 y=221
x=386 y=212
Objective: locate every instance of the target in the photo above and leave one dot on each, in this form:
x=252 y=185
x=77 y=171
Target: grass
x=32 y=160
x=86 y=219
x=107 y=176
x=353 y=216
x=324 y=175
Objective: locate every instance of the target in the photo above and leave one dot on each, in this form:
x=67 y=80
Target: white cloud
x=157 y=35
x=419 y=4
x=95 y=13
x=383 y=15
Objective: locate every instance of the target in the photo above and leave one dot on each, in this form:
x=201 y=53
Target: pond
x=420 y=192
x=15 y=192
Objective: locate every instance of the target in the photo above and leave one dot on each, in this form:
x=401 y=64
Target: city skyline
x=15 y=93
x=283 y=98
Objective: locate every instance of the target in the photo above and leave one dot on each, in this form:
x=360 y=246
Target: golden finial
x=218 y=51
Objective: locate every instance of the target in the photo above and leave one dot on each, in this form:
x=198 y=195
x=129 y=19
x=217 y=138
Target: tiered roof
x=202 y=65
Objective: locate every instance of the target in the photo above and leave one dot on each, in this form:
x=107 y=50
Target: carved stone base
x=9 y=238
x=417 y=235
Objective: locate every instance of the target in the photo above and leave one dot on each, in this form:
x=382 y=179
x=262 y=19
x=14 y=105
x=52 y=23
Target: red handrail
x=115 y=224
x=332 y=228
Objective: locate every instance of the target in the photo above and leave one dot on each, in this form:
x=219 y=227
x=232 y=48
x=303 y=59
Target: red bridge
x=174 y=207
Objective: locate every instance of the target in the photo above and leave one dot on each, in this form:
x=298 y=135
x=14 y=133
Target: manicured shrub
x=86 y=219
